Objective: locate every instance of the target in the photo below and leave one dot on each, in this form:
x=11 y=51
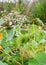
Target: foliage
x=24 y=44
x=3 y=63
x=21 y=45
x=21 y=8
x=39 y=60
x=40 y=10
x=8 y=7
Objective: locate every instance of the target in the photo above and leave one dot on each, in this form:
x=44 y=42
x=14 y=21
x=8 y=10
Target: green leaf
x=40 y=59
x=1 y=63
x=34 y=43
x=10 y=34
x=7 y=50
x=33 y=62
x=43 y=41
x=1 y=21
x=39 y=21
x=39 y=36
x=33 y=29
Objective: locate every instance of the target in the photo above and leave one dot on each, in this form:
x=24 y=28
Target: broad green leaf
x=10 y=34
x=40 y=59
x=1 y=21
x=1 y=63
x=33 y=62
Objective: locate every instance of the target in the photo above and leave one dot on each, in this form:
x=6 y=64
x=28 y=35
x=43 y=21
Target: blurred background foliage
x=39 y=10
